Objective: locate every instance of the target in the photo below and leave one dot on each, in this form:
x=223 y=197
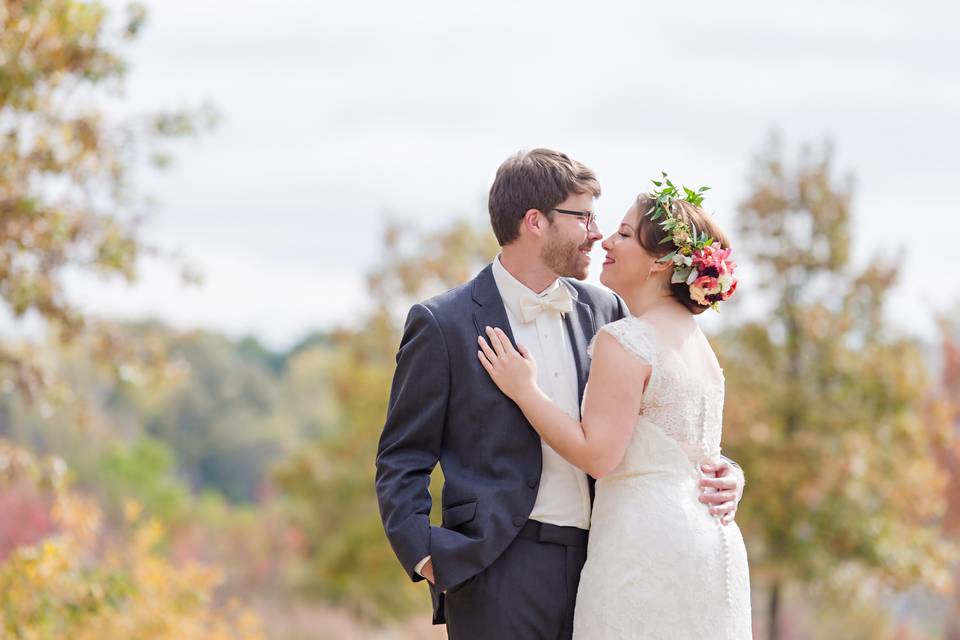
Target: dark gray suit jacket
x=444 y=407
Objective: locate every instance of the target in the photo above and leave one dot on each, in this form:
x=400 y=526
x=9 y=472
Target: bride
x=659 y=565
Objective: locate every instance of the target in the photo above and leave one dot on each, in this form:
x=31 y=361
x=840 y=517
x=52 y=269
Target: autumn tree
x=947 y=405
x=68 y=581
x=825 y=401
x=67 y=200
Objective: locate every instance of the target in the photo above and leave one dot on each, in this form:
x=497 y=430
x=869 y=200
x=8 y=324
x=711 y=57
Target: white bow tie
x=557 y=300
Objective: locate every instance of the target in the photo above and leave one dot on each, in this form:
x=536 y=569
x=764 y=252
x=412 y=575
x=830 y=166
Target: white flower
x=699 y=295
x=693 y=276
x=725 y=282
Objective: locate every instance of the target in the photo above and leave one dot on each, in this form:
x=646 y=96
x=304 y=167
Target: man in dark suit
x=506 y=561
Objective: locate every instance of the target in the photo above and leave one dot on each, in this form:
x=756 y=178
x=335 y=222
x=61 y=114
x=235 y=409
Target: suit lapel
x=491 y=312
x=581 y=329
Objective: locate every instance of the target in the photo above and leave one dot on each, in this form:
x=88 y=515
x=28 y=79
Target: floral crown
x=697 y=262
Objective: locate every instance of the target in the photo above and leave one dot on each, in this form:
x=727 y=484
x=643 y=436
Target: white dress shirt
x=563 y=496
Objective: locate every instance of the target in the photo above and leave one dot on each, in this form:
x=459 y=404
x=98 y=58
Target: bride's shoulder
x=631 y=325
x=634 y=334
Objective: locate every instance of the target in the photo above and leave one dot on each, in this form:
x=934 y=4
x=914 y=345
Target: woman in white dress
x=659 y=564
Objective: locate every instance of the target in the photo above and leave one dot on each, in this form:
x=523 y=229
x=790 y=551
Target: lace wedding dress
x=659 y=565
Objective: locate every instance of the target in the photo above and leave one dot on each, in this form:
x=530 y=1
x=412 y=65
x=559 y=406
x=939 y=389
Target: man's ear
x=535 y=222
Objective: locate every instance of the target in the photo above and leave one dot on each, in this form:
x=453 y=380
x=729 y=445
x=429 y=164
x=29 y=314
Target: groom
x=506 y=561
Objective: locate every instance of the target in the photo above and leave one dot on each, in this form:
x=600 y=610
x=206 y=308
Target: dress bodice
x=678 y=403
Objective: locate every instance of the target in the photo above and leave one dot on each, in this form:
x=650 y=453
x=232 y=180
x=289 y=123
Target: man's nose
x=593 y=232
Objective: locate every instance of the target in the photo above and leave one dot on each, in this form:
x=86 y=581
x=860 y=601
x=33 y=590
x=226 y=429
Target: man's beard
x=563 y=257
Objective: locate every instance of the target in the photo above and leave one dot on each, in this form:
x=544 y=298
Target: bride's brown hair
x=650 y=236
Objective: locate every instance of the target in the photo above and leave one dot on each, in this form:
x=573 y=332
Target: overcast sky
x=336 y=114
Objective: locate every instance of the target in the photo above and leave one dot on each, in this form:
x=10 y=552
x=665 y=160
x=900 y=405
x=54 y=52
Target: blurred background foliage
x=160 y=483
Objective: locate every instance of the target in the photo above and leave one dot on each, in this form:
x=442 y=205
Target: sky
x=336 y=116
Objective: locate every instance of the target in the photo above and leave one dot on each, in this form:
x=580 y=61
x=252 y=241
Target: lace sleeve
x=634 y=334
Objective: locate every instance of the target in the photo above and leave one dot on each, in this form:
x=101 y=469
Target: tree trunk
x=773 y=613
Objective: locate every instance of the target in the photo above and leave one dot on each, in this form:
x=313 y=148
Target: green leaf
x=680 y=275
x=667 y=258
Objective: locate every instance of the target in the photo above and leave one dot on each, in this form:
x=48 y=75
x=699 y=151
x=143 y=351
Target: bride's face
x=627 y=264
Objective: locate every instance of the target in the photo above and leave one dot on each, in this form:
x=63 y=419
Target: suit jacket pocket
x=459 y=514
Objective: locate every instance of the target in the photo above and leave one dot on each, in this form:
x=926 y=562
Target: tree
x=947 y=450
x=75 y=582
x=67 y=201
x=212 y=405
x=220 y=418
x=349 y=560
x=825 y=403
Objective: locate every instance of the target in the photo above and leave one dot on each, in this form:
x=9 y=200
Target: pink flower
x=716 y=281
x=707 y=283
x=712 y=260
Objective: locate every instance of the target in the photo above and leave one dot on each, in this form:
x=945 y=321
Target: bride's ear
x=659 y=267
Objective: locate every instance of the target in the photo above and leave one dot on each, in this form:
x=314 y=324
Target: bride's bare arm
x=617 y=379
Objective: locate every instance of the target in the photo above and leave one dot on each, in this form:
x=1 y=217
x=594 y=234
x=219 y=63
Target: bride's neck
x=643 y=302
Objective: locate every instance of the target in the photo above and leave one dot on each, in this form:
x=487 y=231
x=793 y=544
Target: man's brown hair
x=538 y=179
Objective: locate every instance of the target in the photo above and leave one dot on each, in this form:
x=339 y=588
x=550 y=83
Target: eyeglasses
x=589 y=217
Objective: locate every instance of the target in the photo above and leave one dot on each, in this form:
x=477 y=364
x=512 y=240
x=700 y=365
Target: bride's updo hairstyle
x=650 y=234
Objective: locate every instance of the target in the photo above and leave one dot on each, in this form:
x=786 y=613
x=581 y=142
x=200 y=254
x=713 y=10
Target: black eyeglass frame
x=589 y=217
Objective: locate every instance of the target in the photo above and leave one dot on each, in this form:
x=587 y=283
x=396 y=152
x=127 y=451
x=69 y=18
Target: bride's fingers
x=723 y=484
x=504 y=340
x=487 y=350
x=723 y=507
x=495 y=341
x=523 y=351
x=718 y=497
x=726 y=512
x=486 y=363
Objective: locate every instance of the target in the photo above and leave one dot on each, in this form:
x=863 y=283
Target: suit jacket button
x=518 y=521
x=532 y=482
